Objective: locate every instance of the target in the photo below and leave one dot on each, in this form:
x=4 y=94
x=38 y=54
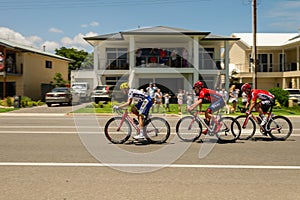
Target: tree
x=78 y=57
x=58 y=80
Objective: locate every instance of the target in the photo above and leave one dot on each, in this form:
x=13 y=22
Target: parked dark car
x=59 y=95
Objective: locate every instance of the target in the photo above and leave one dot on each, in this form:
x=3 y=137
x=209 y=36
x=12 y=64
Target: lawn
x=107 y=108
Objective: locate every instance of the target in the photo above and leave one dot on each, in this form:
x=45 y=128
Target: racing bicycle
x=277 y=127
x=189 y=128
x=118 y=129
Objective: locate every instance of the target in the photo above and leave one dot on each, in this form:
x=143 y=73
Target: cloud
x=9 y=34
x=50 y=46
x=77 y=41
x=55 y=30
x=94 y=24
x=37 y=42
x=91 y=24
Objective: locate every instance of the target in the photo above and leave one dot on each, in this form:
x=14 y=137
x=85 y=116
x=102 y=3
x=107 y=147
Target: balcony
x=13 y=70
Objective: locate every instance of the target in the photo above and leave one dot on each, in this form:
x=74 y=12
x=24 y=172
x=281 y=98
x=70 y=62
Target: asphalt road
x=49 y=156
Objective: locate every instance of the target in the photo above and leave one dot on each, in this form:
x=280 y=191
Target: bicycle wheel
x=117 y=130
x=279 y=128
x=157 y=130
x=248 y=130
x=188 y=129
x=230 y=130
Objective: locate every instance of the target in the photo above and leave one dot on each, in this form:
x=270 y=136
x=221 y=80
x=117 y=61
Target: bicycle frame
x=125 y=115
x=265 y=128
x=201 y=120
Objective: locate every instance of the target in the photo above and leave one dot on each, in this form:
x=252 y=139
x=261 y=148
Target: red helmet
x=198 y=84
x=245 y=87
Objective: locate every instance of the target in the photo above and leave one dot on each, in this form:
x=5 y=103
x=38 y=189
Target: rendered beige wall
x=35 y=73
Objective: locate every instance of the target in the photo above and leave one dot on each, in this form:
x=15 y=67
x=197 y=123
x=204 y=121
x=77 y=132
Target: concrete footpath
x=57 y=110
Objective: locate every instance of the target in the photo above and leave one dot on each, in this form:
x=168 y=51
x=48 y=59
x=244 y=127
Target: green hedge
x=282 y=96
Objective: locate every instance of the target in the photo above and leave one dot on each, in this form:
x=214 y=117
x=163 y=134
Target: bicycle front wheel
x=247 y=128
x=279 y=128
x=188 y=129
x=117 y=130
x=230 y=129
x=157 y=130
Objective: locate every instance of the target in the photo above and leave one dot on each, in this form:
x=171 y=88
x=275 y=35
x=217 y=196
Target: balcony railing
x=12 y=69
x=265 y=67
x=156 y=62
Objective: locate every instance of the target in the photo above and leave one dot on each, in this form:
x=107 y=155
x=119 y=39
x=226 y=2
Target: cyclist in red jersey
x=261 y=100
x=216 y=100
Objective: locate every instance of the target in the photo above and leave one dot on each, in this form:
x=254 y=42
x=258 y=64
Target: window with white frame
x=206 y=60
x=265 y=62
x=117 y=58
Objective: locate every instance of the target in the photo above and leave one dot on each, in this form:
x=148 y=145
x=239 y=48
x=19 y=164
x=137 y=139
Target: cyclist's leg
x=217 y=105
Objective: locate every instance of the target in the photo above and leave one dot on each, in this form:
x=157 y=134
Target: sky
x=64 y=23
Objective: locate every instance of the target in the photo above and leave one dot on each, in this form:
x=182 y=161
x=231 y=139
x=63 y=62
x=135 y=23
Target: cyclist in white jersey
x=140 y=109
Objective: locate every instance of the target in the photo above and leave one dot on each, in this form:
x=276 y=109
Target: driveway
x=55 y=109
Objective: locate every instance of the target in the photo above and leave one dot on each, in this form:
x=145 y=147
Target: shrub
x=9 y=101
x=282 y=96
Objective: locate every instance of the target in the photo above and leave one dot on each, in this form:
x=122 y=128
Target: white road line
x=49 y=132
x=33 y=164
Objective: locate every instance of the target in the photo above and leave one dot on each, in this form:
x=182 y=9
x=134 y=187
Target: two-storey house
x=278 y=59
x=28 y=71
x=173 y=58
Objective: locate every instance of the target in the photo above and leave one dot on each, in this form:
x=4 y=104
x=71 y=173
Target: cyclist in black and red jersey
x=261 y=100
x=217 y=102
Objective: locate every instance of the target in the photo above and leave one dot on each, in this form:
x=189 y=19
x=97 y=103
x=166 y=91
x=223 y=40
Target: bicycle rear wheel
x=230 y=130
x=117 y=130
x=188 y=129
x=157 y=130
x=248 y=130
x=280 y=128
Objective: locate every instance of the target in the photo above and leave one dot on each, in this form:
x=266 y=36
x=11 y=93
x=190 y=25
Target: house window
x=112 y=80
x=48 y=64
x=206 y=56
x=117 y=58
x=265 y=62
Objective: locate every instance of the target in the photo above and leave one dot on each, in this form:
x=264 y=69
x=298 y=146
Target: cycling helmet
x=198 y=84
x=124 y=85
x=245 y=87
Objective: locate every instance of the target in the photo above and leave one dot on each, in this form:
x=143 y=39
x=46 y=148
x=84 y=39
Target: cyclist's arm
x=194 y=105
x=252 y=105
x=126 y=104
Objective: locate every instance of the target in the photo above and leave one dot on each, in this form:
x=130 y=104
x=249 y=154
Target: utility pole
x=254 y=50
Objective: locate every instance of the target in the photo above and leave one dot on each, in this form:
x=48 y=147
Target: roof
x=266 y=39
x=158 y=30
x=24 y=48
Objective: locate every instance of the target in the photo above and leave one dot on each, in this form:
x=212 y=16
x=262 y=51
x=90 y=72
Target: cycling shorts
x=217 y=105
x=266 y=104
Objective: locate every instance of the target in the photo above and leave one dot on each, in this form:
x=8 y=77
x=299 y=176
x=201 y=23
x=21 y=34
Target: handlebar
x=120 y=111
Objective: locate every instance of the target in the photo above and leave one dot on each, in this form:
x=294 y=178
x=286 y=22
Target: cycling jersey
x=137 y=95
x=217 y=101
x=261 y=95
x=209 y=95
x=144 y=101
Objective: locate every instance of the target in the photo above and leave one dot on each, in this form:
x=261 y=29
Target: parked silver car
x=59 y=95
x=107 y=93
x=294 y=93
